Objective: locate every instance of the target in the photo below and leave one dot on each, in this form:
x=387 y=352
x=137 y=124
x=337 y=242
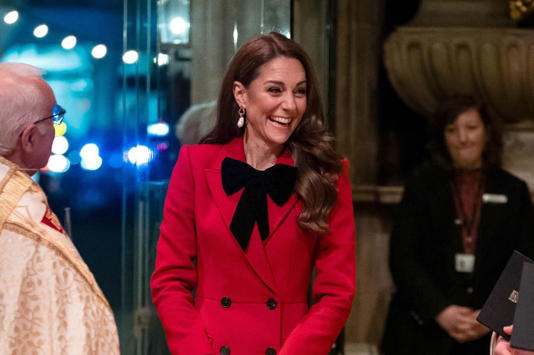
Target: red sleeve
x=175 y=275
x=333 y=288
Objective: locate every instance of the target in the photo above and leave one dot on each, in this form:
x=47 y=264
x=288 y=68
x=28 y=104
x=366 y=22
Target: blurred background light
x=160 y=129
x=99 y=51
x=11 y=17
x=89 y=152
x=91 y=163
x=58 y=163
x=140 y=155
x=235 y=36
x=163 y=59
x=60 y=129
x=178 y=25
x=40 y=31
x=60 y=145
x=69 y=42
x=162 y=146
x=130 y=57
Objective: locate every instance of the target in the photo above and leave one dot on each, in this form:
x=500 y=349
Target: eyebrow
x=281 y=83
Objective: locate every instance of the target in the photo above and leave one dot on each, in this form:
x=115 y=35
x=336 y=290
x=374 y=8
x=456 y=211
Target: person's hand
x=461 y=324
x=502 y=347
x=478 y=330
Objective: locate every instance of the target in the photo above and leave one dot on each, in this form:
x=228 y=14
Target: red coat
x=252 y=302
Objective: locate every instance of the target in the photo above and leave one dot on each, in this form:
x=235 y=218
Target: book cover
x=499 y=309
x=523 y=333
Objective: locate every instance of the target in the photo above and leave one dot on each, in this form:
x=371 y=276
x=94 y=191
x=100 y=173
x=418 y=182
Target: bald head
x=24 y=98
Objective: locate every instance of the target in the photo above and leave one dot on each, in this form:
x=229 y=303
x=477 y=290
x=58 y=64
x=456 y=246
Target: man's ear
x=240 y=94
x=28 y=138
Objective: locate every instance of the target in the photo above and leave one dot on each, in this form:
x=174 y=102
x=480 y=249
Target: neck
x=260 y=155
x=17 y=159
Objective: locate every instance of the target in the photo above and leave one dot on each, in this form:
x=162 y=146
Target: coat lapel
x=277 y=214
x=255 y=253
x=488 y=217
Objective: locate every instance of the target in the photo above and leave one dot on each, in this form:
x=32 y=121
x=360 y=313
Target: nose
x=462 y=135
x=289 y=104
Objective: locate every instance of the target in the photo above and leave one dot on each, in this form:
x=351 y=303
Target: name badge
x=494 y=198
x=464 y=262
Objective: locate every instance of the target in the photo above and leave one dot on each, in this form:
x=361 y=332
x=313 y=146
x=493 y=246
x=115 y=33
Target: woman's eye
x=301 y=91
x=274 y=90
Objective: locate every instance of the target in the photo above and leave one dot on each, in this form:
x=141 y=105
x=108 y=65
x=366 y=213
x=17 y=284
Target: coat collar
x=256 y=251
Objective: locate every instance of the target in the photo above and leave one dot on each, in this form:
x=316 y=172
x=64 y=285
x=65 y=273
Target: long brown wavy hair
x=311 y=145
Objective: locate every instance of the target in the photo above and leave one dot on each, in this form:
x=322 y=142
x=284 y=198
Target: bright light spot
x=235 y=35
x=178 y=25
x=92 y=163
x=69 y=42
x=11 y=17
x=99 y=51
x=60 y=145
x=130 y=57
x=58 y=163
x=163 y=59
x=40 y=31
x=140 y=155
x=159 y=129
x=60 y=129
x=89 y=152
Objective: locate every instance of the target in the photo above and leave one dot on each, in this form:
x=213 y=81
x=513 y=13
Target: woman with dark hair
x=251 y=212
x=460 y=219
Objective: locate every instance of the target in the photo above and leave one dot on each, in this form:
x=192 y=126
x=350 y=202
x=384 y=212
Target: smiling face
x=274 y=101
x=465 y=139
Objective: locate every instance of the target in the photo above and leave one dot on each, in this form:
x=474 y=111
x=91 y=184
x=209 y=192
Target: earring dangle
x=241 y=120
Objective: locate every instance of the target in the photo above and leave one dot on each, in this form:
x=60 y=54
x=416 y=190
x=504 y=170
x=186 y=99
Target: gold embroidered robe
x=50 y=303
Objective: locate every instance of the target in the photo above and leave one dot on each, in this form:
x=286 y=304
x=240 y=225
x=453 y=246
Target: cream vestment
x=50 y=303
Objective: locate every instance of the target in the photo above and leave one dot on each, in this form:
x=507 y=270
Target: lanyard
x=469 y=225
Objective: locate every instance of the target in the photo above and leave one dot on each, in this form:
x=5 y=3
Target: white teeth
x=282 y=120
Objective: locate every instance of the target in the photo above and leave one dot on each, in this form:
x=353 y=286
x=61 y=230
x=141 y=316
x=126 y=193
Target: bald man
x=50 y=302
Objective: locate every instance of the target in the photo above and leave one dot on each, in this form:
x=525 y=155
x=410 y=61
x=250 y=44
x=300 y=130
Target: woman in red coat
x=251 y=212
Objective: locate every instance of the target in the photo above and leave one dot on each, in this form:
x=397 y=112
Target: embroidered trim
x=17 y=185
x=69 y=253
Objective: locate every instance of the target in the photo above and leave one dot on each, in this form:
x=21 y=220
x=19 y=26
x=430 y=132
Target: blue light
x=115 y=160
x=159 y=129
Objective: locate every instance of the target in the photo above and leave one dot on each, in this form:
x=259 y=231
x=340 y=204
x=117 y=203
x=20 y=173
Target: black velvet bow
x=277 y=182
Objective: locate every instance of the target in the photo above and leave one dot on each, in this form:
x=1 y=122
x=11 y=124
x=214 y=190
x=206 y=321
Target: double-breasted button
x=225 y=350
x=271 y=304
x=226 y=302
x=270 y=351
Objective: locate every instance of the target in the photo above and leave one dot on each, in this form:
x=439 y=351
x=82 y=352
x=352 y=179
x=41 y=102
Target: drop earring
x=241 y=120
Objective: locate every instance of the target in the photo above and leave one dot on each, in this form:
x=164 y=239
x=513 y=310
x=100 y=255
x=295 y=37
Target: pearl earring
x=241 y=120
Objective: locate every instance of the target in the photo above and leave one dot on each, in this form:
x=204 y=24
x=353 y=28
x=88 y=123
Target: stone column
x=358 y=48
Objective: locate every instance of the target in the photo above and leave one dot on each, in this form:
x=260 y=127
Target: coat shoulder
x=202 y=155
